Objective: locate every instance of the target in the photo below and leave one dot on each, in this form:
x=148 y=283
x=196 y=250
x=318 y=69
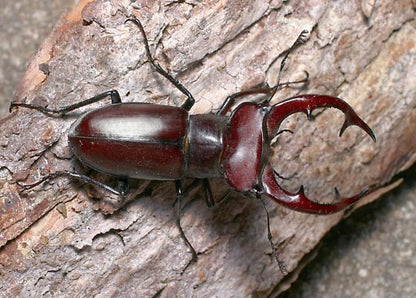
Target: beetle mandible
x=158 y=142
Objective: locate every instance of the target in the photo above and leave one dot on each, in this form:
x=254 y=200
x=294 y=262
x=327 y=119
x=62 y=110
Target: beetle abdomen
x=136 y=140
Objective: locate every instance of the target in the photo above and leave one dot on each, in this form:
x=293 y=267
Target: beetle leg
x=280 y=263
x=209 y=198
x=189 y=102
x=230 y=100
x=114 y=96
x=271 y=91
x=300 y=40
x=83 y=178
x=180 y=194
x=307 y=103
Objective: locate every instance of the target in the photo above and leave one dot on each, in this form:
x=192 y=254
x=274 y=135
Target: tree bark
x=59 y=239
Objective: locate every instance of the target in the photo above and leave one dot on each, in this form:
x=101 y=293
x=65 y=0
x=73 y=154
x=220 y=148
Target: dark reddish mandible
x=156 y=142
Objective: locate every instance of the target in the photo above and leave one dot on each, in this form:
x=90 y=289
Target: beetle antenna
x=280 y=263
x=300 y=40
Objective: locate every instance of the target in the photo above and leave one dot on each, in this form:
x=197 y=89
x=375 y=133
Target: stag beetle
x=158 y=142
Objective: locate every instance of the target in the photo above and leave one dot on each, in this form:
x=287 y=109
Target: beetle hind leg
x=113 y=94
x=120 y=190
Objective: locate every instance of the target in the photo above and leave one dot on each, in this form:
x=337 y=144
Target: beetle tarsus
x=305 y=80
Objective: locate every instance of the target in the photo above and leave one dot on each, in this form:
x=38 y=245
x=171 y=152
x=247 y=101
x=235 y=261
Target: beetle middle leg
x=207 y=190
x=189 y=102
x=179 y=194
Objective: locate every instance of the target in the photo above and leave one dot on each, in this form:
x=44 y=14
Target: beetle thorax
x=204 y=145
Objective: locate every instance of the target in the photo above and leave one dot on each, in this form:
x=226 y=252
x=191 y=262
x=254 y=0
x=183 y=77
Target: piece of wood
x=57 y=239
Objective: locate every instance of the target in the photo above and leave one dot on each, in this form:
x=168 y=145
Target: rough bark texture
x=57 y=240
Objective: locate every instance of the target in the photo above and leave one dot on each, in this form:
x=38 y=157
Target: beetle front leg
x=300 y=40
x=270 y=91
x=266 y=90
x=113 y=94
x=230 y=100
x=280 y=263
